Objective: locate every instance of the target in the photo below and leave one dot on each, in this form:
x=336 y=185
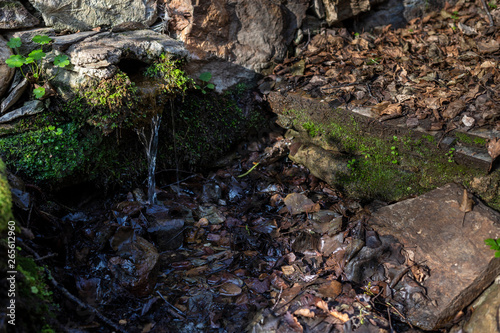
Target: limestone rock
x=13 y=15
x=6 y=73
x=339 y=10
x=99 y=56
x=88 y=14
x=461 y=265
x=29 y=108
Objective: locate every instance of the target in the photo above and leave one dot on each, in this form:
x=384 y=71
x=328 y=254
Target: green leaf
x=490 y=242
x=36 y=54
x=14 y=42
x=34 y=289
x=41 y=39
x=206 y=76
x=61 y=60
x=39 y=92
x=497 y=254
x=210 y=86
x=28 y=60
x=15 y=61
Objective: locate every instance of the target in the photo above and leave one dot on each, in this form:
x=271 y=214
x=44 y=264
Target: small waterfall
x=150 y=143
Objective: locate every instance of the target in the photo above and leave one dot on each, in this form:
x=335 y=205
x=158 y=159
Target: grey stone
x=62 y=43
x=6 y=73
x=212 y=214
x=89 y=14
x=29 y=108
x=485 y=315
x=461 y=265
x=14 y=96
x=98 y=56
x=13 y=15
x=322 y=163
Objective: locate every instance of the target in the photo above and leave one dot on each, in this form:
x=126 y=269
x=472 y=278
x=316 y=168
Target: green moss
x=470 y=140
x=385 y=168
x=311 y=129
x=49 y=153
x=429 y=138
x=5 y=199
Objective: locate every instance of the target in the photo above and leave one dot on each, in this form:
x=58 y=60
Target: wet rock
x=367 y=263
x=327 y=221
x=6 y=73
x=211 y=192
x=328 y=244
x=168 y=234
x=62 y=14
x=461 y=265
x=134 y=265
x=29 y=108
x=15 y=16
x=298 y=203
x=485 y=313
x=14 y=96
x=212 y=214
x=20 y=197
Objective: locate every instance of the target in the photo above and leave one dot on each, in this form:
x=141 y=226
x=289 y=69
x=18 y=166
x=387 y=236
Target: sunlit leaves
x=15 y=61
x=39 y=92
x=61 y=60
x=41 y=39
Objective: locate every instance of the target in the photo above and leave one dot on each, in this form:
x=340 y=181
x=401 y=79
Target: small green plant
x=492 y=5
x=410 y=30
x=494 y=244
x=451 y=155
x=395 y=154
x=455 y=16
x=205 y=78
x=311 y=129
x=356 y=34
x=373 y=61
x=351 y=164
x=34 y=62
x=166 y=70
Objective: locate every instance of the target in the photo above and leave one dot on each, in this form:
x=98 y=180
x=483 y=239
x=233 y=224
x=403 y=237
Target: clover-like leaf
x=36 y=54
x=41 y=39
x=28 y=60
x=206 y=76
x=61 y=60
x=39 y=92
x=14 y=42
x=15 y=61
x=210 y=86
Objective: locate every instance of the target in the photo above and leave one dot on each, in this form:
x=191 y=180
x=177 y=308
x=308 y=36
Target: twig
x=50 y=255
x=178 y=313
x=488 y=13
x=278 y=300
x=66 y=293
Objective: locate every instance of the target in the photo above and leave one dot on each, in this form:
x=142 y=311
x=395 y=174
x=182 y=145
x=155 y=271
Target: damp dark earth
x=250 y=166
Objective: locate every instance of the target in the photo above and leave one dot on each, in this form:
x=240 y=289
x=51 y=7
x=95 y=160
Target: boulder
x=6 y=73
x=436 y=234
x=89 y=14
x=13 y=15
x=248 y=33
x=339 y=10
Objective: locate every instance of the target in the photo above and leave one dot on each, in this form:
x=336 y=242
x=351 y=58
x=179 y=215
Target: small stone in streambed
x=229 y=289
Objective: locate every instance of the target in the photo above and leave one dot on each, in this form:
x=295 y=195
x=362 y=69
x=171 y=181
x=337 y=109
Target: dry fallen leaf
x=304 y=313
x=343 y=317
x=493 y=150
x=466 y=205
x=322 y=305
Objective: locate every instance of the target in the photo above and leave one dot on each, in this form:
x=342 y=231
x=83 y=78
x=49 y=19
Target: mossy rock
x=5 y=199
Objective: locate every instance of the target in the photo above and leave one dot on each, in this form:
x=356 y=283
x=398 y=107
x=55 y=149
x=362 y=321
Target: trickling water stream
x=150 y=143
